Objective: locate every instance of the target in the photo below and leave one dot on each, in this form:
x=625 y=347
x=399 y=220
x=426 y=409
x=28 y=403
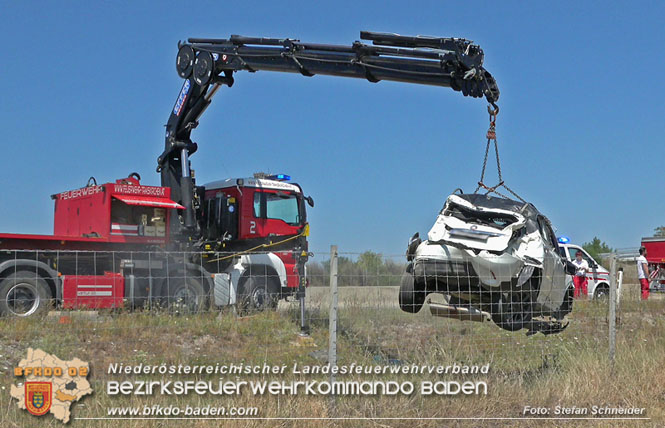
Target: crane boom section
x=207 y=64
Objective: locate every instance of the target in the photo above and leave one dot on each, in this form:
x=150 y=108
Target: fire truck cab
x=252 y=208
x=243 y=216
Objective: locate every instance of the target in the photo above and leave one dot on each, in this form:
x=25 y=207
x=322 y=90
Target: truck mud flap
x=224 y=292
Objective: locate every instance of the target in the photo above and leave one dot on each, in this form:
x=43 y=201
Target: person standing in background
x=643 y=273
x=580 y=281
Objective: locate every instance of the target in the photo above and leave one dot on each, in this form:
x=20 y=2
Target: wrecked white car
x=494 y=258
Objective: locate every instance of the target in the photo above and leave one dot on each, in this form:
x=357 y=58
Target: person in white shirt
x=643 y=272
x=579 y=279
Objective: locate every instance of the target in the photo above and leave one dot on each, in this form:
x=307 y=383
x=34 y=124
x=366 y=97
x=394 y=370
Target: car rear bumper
x=459 y=267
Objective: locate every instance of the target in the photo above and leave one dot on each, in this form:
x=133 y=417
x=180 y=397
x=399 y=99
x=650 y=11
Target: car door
x=565 y=257
x=553 y=284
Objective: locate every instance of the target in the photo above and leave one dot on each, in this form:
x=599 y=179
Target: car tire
x=411 y=297
x=257 y=294
x=512 y=310
x=567 y=304
x=23 y=294
x=601 y=293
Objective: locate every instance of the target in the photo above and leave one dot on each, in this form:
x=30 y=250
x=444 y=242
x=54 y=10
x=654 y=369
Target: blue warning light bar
x=279 y=177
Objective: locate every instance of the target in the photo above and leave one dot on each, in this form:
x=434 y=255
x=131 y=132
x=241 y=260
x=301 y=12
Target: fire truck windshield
x=283 y=206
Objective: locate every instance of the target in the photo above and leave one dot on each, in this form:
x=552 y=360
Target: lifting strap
x=493 y=111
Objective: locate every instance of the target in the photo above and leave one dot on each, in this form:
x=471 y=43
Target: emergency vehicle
x=111 y=249
x=598 y=278
x=655 y=246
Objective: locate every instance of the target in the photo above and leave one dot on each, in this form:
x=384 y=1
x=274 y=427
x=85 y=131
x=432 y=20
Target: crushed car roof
x=494 y=202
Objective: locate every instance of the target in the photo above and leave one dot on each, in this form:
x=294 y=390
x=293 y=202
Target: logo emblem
x=38 y=397
x=180 y=102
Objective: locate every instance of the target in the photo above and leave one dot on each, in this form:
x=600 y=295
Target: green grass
x=570 y=368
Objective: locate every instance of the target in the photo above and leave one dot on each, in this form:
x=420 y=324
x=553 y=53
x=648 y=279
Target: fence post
x=612 y=307
x=301 y=259
x=619 y=288
x=332 y=326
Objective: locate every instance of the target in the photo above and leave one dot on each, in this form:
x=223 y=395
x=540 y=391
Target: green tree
x=659 y=231
x=370 y=264
x=596 y=247
x=370 y=261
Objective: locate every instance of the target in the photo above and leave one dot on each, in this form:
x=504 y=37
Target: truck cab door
x=272 y=213
x=252 y=221
x=221 y=218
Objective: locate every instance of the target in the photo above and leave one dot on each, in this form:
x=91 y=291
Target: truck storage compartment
x=124 y=211
x=93 y=291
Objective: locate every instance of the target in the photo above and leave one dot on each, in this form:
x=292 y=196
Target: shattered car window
x=496 y=220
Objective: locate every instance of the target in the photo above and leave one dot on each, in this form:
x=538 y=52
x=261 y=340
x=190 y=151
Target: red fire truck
x=236 y=240
x=656 y=258
x=112 y=247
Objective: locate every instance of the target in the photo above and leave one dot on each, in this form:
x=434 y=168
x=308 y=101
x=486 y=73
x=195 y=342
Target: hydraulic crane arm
x=207 y=64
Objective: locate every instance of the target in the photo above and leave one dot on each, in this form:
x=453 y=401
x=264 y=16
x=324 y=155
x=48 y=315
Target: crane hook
x=491 y=132
x=494 y=112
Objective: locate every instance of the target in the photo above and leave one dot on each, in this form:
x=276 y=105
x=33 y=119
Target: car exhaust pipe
x=461 y=313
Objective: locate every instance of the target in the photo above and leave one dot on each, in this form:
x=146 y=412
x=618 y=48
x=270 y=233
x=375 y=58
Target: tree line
x=369 y=269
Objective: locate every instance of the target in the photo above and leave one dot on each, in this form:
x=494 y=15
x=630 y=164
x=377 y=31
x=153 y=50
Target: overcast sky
x=88 y=87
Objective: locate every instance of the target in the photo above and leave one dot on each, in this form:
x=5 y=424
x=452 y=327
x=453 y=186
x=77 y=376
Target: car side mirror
x=310 y=201
x=411 y=247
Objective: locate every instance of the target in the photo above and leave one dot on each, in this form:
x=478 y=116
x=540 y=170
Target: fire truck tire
x=188 y=294
x=23 y=294
x=257 y=294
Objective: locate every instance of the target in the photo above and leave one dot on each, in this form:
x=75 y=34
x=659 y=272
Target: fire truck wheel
x=188 y=295
x=257 y=294
x=23 y=294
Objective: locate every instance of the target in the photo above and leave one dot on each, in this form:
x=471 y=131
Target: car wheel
x=602 y=293
x=512 y=310
x=23 y=294
x=411 y=297
x=257 y=294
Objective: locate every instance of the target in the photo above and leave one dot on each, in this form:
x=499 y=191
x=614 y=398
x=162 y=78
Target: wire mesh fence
x=360 y=310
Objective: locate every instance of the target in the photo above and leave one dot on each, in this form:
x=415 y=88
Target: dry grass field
x=569 y=369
